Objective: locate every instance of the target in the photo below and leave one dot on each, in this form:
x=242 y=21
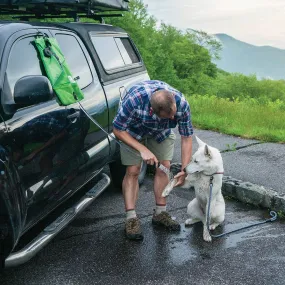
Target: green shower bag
x=58 y=72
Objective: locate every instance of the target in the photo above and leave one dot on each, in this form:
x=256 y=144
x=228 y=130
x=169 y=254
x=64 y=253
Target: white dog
x=206 y=163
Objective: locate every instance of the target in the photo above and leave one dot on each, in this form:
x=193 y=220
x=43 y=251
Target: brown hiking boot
x=165 y=220
x=133 y=229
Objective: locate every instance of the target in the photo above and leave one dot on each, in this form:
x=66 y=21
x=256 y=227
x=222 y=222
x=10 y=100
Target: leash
x=273 y=214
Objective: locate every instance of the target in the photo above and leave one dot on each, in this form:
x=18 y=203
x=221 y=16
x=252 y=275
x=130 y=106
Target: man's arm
x=186 y=130
x=186 y=151
x=186 y=155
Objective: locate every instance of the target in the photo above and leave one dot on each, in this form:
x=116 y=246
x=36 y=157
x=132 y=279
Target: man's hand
x=145 y=153
x=180 y=176
x=149 y=157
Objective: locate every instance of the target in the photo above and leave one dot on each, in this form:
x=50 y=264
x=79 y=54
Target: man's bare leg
x=161 y=217
x=131 y=186
x=160 y=182
x=130 y=193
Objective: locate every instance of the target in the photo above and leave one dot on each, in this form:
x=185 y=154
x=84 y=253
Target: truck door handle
x=74 y=116
x=121 y=91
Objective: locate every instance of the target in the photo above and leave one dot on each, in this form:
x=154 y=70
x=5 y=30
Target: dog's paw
x=207 y=237
x=190 y=222
x=213 y=226
x=169 y=187
x=166 y=192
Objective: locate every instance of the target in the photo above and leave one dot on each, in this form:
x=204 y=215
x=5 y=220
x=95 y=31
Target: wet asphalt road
x=93 y=249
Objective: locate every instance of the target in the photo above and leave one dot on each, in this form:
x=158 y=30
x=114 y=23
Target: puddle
x=257 y=232
x=180 y=249
x=232 y=240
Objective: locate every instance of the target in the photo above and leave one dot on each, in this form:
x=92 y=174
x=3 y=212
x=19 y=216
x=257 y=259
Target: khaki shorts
x=162 y=151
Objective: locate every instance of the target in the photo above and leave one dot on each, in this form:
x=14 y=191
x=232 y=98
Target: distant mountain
x=238 y=56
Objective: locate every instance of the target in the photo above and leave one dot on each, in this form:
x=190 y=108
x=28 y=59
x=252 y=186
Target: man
x=143 y=122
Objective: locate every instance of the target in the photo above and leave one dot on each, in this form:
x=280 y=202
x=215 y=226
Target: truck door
x=47 y=142
x=96 y=143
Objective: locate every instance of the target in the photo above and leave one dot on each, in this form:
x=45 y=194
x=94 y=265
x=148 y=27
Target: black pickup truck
x=48 y=152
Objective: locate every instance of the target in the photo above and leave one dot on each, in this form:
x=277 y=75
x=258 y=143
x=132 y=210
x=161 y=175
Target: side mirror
x=31 y=90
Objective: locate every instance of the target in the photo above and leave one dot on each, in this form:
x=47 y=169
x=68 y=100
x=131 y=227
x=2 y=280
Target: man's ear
x=207 y=152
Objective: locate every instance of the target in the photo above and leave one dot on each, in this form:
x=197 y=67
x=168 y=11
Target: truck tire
x=118 y=172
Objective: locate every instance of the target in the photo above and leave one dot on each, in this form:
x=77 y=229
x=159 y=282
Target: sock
x=131 y=214
x=159 y=209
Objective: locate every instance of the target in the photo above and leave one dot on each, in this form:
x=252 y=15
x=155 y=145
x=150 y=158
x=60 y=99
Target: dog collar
x=212 y=177
x=213 y=173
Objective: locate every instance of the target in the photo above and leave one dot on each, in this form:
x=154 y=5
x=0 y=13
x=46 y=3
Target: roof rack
x=42 y=9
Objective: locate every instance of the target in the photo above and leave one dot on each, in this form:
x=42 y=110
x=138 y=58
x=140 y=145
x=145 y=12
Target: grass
x=281 y=215
x=243 y=118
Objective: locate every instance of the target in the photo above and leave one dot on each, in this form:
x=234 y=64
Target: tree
x=210 y=42
x=169 y=54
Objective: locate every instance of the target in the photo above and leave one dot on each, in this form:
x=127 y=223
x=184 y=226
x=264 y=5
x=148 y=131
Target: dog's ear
x=200 y=143
x=207 y=151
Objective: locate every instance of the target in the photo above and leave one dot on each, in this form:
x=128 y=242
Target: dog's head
x=206 y=160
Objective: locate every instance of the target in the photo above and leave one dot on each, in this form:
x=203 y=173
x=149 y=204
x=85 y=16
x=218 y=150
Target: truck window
x=115 y=52
x=127 y=46
x=75 y=59
x=23 y=60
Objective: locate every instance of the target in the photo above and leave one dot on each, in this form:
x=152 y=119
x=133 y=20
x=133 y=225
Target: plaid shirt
x=135 y=114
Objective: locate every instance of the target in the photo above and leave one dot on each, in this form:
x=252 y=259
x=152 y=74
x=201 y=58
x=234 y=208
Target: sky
x=258 y=22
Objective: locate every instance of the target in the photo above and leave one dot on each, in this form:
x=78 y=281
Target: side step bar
x=30 y=250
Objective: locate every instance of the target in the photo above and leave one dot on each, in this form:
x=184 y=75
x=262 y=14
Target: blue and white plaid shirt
x=136 y=117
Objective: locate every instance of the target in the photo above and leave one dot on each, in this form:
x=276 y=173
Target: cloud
x=259 y=22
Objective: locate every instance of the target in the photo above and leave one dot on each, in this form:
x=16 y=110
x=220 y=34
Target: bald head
x=163 y=101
